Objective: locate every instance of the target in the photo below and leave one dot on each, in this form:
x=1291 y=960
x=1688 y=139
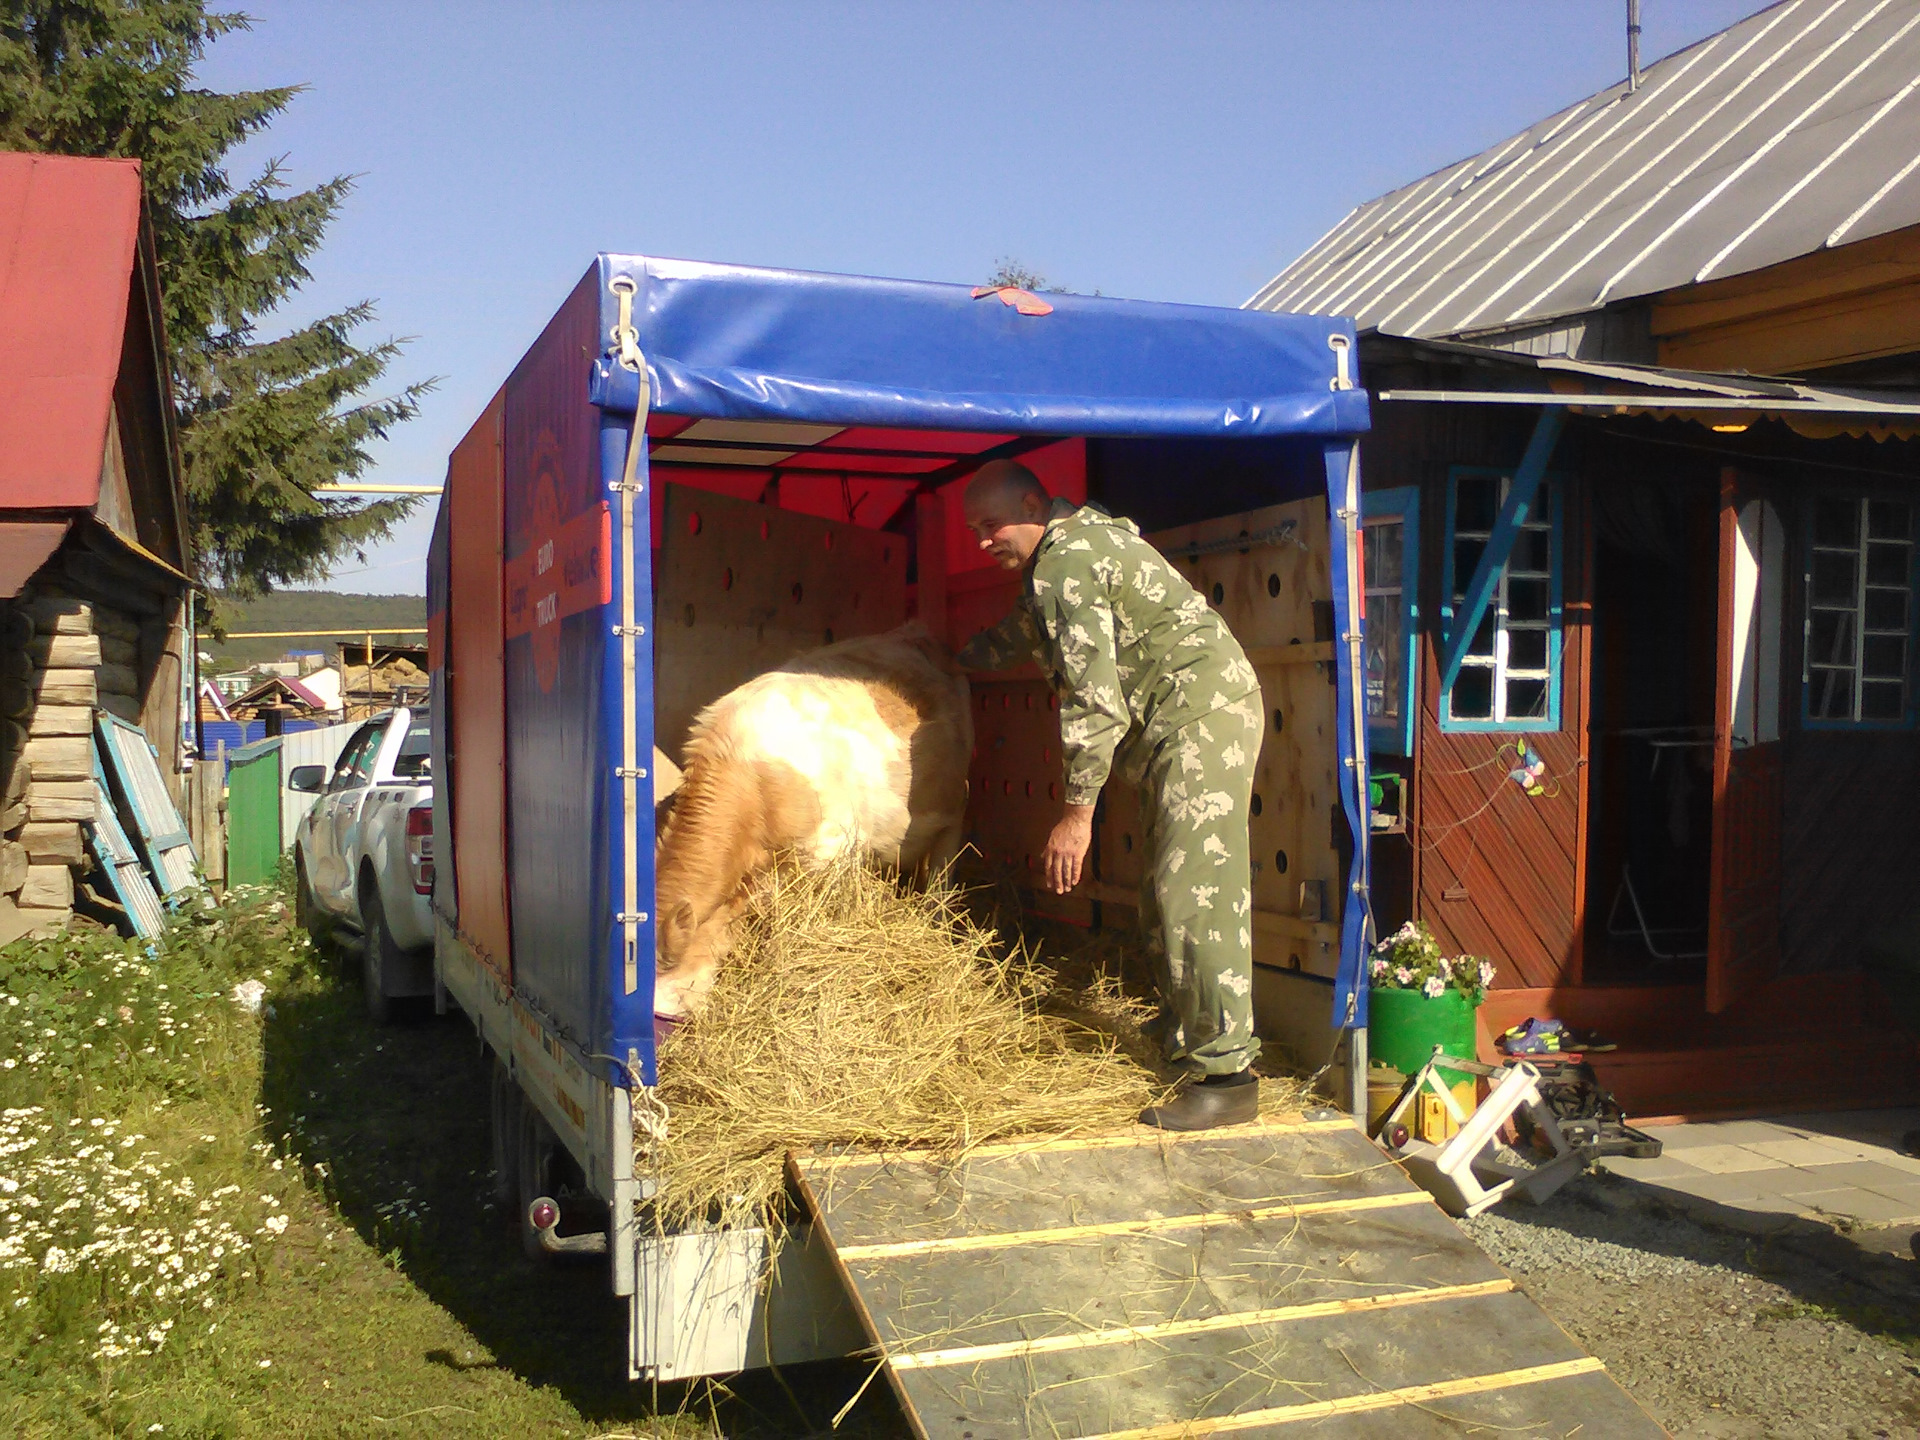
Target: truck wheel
x=504 y=1104
x=378 y=954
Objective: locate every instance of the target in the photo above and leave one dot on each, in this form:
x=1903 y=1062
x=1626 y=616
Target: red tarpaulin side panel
x=69 y=230
x=24 y=548
x=478 y=717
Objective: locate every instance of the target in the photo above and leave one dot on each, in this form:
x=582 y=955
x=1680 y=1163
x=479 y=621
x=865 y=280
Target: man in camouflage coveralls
x=1148 y=675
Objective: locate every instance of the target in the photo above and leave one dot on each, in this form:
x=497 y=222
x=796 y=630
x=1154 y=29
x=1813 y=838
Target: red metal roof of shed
x=69 y=234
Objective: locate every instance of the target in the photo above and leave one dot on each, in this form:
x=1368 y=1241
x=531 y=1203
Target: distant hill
x=336 y=617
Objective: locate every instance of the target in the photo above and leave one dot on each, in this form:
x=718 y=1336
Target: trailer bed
x=1236 y=1281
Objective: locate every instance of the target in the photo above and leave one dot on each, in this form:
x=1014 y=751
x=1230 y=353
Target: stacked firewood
x=60 y=658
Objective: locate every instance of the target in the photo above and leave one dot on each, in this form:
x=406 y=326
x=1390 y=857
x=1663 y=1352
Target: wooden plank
x=1246 y=1380
x=1000 y=1240
x=1197 y=1311
x=1173 y=1329
x=51 y=842
x=1360 y=1404
x=944 y=1299
x=1138 y=1135
x=120 y=862
x=128 y=760
x=47 y=887
x=64 y=652
x=926 y=1198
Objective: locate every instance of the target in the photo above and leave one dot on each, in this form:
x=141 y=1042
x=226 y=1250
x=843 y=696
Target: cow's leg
x=944 y=850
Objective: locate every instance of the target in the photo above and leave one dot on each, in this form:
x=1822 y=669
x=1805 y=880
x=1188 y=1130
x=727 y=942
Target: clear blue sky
x=1163 y=151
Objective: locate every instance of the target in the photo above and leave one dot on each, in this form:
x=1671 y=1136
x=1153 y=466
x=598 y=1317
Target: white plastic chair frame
x=1466 y=1174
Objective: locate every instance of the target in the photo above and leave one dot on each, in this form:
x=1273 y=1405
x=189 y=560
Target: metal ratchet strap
x=626 y=341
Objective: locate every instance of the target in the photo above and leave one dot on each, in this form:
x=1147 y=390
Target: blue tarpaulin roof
x=739 y=342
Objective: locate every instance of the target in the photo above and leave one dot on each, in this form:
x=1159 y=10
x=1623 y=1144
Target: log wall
x=61 y=657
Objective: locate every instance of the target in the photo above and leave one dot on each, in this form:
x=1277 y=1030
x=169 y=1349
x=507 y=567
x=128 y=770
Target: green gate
x=253 y=813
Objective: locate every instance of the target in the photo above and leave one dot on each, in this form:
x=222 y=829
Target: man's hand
x=1067 y=848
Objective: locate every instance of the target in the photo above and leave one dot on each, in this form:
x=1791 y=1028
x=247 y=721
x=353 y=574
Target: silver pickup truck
x=363 y=856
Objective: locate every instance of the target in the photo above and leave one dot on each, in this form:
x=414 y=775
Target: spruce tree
x=263 y=420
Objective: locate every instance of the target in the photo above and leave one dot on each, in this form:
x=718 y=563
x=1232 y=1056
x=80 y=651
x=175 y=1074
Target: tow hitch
x=544 y=1216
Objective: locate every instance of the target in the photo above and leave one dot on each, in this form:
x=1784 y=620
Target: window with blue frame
x=1859 y=627
x=1509 y=672
x=1390 y=539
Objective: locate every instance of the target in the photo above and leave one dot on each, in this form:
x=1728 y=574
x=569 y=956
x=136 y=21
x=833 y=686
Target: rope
x=650 y=1117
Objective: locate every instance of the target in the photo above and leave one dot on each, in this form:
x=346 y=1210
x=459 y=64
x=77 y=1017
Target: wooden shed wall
x=1849 y=856
x=1495 y=872
x=1849 y=851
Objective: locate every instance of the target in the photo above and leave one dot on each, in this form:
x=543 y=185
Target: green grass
x=362 y=1285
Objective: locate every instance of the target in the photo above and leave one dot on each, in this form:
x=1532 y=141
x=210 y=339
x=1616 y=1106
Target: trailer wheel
x=534 y=1172
x=505 y=1105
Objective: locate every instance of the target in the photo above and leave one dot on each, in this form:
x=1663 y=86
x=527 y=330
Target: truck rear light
x=420 y=847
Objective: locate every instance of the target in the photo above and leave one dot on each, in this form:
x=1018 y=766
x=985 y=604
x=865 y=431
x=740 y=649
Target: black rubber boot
x=1204 y=1104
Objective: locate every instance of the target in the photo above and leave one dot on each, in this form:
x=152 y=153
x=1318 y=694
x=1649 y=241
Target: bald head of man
x=1007 y=508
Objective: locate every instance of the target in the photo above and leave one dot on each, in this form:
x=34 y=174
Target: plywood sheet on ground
x=1243 y=1281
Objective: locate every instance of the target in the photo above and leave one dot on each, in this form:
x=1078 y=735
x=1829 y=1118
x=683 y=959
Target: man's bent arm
x=1005 y=646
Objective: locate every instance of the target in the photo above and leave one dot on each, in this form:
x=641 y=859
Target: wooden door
x=1743 y=913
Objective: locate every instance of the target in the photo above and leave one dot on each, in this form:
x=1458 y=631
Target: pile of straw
x=855 y=1012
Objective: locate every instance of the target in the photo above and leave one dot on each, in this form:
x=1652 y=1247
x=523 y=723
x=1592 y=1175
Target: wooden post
x=210 y=832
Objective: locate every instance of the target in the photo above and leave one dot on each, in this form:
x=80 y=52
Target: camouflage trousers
x=1196 y=891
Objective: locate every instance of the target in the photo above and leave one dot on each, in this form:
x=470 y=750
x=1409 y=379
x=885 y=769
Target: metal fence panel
x=253 y=813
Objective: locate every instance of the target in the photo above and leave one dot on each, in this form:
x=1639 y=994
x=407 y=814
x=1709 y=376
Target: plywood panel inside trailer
x=743 y=588
x=477 y=716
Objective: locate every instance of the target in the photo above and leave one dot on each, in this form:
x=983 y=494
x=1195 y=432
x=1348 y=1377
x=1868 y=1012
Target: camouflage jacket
x=1132 y=650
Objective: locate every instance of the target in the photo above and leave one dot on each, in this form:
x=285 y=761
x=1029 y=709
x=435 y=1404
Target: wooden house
x=94 y=591
x=1640 y=625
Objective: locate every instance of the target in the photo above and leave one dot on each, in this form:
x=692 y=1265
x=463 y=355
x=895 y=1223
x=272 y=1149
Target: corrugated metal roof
x=69 y=232
x=1487 y=375
x=1796 y=129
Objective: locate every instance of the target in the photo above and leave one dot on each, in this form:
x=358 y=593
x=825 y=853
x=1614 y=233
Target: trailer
x=698 y=471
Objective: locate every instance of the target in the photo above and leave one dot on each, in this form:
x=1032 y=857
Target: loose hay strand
x=853 y=1011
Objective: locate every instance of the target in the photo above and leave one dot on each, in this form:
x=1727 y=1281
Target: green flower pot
x=1404 y=1026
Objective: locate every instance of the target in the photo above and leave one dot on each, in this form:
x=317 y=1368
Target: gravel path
x=1719 y=1333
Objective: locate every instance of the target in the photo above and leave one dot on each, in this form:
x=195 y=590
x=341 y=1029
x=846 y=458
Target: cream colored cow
x=859 y=748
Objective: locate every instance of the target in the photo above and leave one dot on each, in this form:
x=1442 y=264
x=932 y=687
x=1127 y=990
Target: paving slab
x=1720 y=1132
x=1861 y=1205
x=1724 y=1159
x=1650 y=1172
x=1812 y=1150
x=1860 y=1174
x=1733 y=1189
x=1908 y=1194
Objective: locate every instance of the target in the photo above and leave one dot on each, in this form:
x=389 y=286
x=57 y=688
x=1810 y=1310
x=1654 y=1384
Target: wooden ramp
x=1279 y=1278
